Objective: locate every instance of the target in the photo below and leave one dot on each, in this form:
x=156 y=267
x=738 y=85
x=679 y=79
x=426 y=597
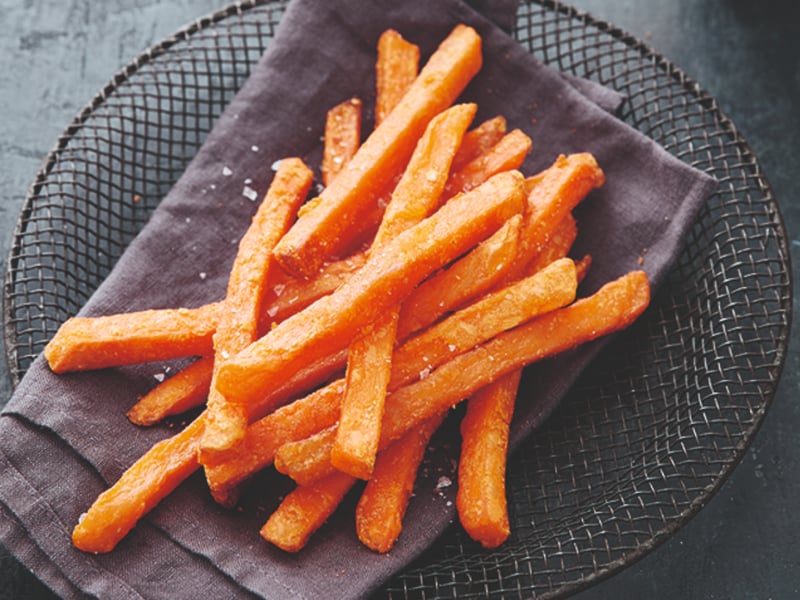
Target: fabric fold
x=63 y=439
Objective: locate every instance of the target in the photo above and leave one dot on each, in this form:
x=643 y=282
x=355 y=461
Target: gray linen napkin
x=64 y=439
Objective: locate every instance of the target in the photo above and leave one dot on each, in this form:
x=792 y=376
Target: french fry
x=395 y=70
x=539 y=294
x=368 y=371
x=389 y=276
x=238 y=323
x=383 y=503
x=427 y=351
x=315 y=235
x=481 y=496
x=183 y=391
x=304 y=510
x=342 y=137
x=150 y=479
x=559 y=189
x=612 y=308
x=509 y=153
x=467 y=278
x=479 y=140
x=370 y=356
x=84 y=343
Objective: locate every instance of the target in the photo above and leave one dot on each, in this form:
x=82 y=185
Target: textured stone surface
x=56 y=55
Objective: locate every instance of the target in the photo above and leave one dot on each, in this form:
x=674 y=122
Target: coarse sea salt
x=226 y=171
x=249 y=193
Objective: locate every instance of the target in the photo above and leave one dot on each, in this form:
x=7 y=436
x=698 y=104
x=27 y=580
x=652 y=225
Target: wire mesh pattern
x=652 y=428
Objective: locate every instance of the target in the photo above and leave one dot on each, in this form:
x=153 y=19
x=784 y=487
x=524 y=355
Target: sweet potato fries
x=427 y=271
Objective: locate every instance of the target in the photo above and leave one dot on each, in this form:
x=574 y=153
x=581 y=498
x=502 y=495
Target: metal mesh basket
x=650 y=431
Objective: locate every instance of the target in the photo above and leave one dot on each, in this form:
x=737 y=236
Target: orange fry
x=304 y=511
x=559 y=189
x=342 y=137
x=369 y=360
x=481 y=497
x=369 y=366
x=332 y=322
x=185 y=390
x=150 y=479
x=314 y=237
x=84 y=343
x=612 y=308
x=508 y=153
x=395 y=70
x=226 y=422
x=479 y=140
x=383 y=503
x=465 y=279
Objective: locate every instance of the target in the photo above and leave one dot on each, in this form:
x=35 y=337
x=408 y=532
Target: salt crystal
x=203 y=275
x=276 y=165
x=451 y=347
x=424 y=373
x=159 y=377
x=213 y=186
x=226 y=171
x=432 y=175
x=225 y=354
x=254 y=148
x=278 y=289
x=249 y=193
x=444 y=482
x=248 y=181
x=188 y=219
x=272 y=311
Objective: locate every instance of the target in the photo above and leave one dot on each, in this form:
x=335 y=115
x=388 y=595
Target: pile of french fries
x=428 y=270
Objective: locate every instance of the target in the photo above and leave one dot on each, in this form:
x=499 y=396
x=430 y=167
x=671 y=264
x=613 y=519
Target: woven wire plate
x=647 y=435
